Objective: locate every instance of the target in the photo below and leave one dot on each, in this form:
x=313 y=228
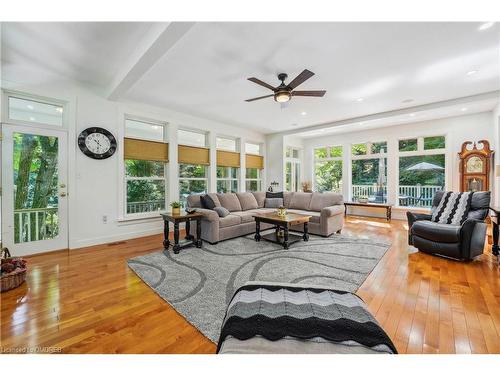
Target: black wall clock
x=97 y=143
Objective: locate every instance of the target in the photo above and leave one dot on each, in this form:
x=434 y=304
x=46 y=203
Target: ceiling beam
x=156 y=43
x=397 y=112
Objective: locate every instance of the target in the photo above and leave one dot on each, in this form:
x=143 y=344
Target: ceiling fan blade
x=318 y=93
x=260 y=97
x=262 y=83
x=301 y=78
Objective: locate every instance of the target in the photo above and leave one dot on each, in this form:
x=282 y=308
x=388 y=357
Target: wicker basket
x=12 y=280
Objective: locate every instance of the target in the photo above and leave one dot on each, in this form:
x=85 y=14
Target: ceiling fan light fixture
x=282 y=96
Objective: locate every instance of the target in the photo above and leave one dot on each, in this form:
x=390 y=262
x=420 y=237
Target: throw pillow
x=221 y=211
x=207 y=202
x=453 y=208
x=273 y=202
x=274 y=195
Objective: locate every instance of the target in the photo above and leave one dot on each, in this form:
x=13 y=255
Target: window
x=35 y=111
x=191 y=138
x=328 y=169
x=369 y=172
x=253 y=179
x=226 y=144
x=252 y=148
x=139 y=129
x=422 y=170
x=292 y=169
x=192 y=180
x=227 y=179
x=145 y=180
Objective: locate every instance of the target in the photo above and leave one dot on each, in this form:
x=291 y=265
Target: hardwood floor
x=89 y=301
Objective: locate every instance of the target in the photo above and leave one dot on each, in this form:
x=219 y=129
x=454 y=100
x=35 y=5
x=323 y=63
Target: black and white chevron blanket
x=277 y=311
x=453 y=208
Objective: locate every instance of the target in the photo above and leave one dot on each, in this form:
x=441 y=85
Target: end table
x=189 y=240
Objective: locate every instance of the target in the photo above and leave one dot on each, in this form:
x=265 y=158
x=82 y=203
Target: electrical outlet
x=105 y=219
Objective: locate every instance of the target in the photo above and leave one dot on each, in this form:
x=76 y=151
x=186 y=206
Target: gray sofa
x=326 y=209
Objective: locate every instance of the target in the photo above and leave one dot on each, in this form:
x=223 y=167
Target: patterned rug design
x=199 y=283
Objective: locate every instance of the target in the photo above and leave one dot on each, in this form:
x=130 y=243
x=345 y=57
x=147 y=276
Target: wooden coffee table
x=282 y=225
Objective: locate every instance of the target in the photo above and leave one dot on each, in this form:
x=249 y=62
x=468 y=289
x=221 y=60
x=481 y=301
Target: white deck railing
x=146 y=206
x=409 y=195
x=35 y=224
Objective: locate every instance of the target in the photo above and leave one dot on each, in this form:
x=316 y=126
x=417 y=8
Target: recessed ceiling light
x=32 y=119
x=303 y=113
x=485 y=26
x=59 y=109
x=412 y=115
x=471 y=72
x=407 y=101
x=360 y=99
x=463 y=109
x=30 y=107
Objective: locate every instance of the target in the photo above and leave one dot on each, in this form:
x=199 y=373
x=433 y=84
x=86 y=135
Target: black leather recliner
x=462 y=242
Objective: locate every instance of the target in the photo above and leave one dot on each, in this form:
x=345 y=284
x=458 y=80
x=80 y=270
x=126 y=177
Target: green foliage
x=433 y=143
x=366 y=172
x=429 y=177
x=408 y=145
x=329 y=176
x=359 y=149
x=335 y=151
x=377 y=147
x=176 y=204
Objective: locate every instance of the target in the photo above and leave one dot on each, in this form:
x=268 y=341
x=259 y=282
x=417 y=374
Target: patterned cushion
x=230 y=201
x=453 y=208
x=247 y=201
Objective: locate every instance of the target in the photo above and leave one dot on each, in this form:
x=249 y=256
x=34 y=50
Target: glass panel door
x=34 y=193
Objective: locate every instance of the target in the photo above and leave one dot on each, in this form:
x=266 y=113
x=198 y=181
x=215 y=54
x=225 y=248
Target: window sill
x=151 y=217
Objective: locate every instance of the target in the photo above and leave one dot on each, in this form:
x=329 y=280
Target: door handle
x=63 y=194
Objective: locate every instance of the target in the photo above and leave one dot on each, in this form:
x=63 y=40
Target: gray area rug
x=199 y=283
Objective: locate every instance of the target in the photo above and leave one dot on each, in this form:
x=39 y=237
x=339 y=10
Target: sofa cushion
x=301 y=201
x=194 y=201
x=246 y=216
x=207 y=202
x=229 y=201
x=287 y=197
x=270 y=194
x=221 y=211
x=260 y=197
x=229 y=220
x=247 y=201
x=273 y=202
x=436 y=231
x=322 y=200
x=315 y=216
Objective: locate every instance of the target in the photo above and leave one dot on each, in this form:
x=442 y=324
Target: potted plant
x=176 y=207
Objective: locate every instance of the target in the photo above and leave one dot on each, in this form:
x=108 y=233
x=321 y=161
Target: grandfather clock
x=475 y=166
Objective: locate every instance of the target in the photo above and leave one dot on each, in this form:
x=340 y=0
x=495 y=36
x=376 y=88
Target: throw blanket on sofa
x=453 y=208
x=277 y=312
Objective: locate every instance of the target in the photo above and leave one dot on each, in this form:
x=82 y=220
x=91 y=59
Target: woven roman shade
x=139 y=149
x=193 y=155
x=228 y=159
x=254 y=161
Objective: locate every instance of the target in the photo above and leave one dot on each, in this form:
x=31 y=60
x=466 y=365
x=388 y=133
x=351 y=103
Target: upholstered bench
x=294 y=319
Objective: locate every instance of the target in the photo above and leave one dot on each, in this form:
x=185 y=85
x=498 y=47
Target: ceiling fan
x=284 y=92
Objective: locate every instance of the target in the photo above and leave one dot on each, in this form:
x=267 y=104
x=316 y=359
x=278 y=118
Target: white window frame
x=295 y=162
x=6 y=94
x=328 y=158
x=422 y=152
x=124 y=178
x=369 y=155
x=258 y=179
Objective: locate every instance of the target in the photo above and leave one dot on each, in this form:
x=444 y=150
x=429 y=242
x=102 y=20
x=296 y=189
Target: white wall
x=94 y=185
x=457 y=130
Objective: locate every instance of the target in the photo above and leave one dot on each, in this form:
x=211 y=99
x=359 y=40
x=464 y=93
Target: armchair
x=462 y=242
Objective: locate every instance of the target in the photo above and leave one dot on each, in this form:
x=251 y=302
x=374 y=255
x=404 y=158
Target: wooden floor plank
x=89 y=301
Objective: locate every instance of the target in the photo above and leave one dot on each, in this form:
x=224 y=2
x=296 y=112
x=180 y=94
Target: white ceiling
x=205 y=72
